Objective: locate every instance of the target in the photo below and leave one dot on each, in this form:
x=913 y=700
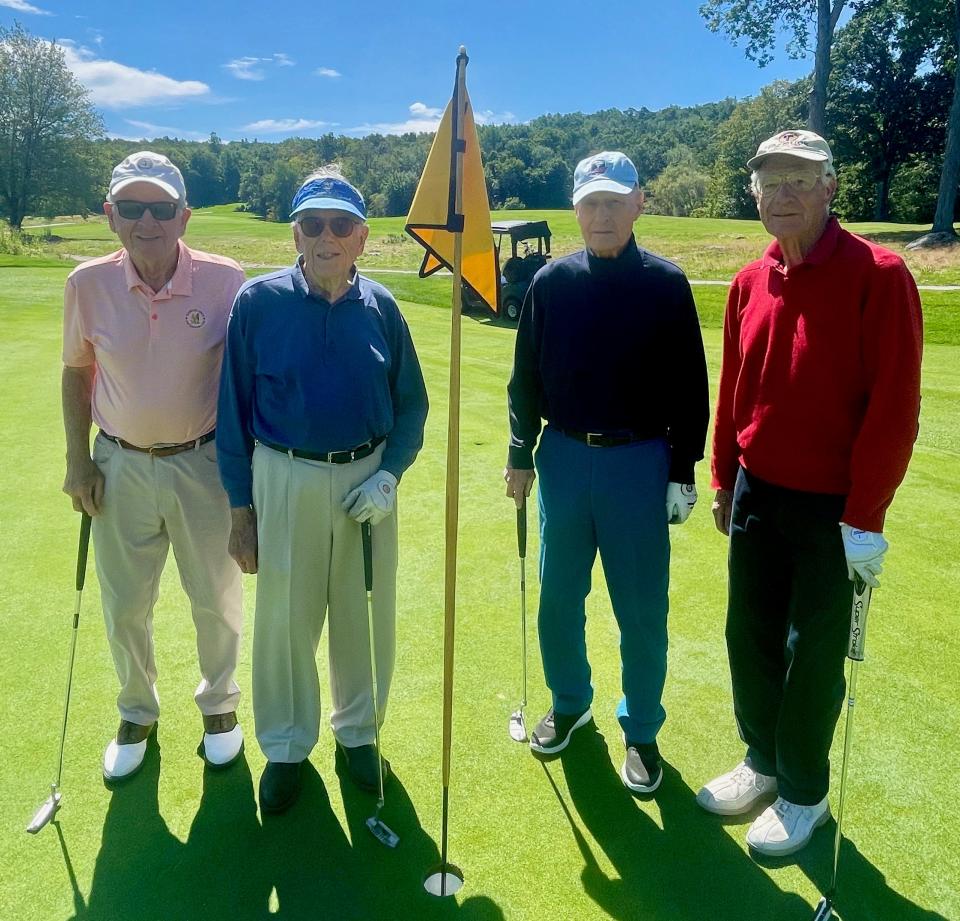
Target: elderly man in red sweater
x=816 y=420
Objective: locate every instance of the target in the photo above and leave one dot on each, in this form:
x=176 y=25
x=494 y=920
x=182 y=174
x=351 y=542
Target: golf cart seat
x=514 y=269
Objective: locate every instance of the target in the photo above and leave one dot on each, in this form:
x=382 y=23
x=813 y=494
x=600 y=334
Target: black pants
x=788 y=623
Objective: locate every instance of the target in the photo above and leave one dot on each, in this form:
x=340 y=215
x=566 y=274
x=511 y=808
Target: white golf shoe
x=125 y=752
x=222 y=740
x=784 y=828
x=735 y=792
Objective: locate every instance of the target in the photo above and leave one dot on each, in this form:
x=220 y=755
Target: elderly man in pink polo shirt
x=142 y=345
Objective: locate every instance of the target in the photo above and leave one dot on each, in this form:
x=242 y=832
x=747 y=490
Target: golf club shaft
x=81 y=576
x=522 y=550
x=366 y=533
x=855 y=652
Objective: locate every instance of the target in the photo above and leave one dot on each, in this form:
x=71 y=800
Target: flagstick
x=453 y=473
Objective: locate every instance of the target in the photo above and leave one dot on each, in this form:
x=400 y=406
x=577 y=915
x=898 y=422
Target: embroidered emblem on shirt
x=195 y=318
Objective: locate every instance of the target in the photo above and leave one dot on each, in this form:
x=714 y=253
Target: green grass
x=558 y=841
x=706 y=248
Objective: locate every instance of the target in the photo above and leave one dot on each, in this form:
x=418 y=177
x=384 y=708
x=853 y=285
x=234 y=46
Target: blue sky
x=270 y=70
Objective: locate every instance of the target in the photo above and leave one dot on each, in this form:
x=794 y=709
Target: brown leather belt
x=164 y=450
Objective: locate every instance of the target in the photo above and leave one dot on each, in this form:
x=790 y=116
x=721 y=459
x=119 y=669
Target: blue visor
x=330 y=193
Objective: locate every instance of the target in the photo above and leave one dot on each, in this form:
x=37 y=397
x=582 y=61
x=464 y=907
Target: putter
x=383 y=833
x=44 y=815
x=518 y=729
x=858 y=635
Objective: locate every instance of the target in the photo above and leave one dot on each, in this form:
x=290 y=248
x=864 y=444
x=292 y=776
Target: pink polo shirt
x=157 y=354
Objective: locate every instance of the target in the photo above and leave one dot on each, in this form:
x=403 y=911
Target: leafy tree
x=950 y=175
x=680 y=190
x=758 y=22
x=46 y=125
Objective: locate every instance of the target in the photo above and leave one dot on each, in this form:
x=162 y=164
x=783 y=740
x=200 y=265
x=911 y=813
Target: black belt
x=163 y=450
x=598 y=440
x=333 y=457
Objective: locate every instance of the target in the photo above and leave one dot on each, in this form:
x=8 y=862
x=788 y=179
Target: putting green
x=561 y=840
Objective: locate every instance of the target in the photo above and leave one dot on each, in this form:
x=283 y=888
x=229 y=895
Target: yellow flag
x=433 y=221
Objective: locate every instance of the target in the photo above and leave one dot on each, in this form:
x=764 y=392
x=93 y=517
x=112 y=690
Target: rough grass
x=557 y=841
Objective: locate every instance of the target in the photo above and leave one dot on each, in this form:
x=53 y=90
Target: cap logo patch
x=597 y=168
x=195 y=318
x=791 y=138
x=144 y=163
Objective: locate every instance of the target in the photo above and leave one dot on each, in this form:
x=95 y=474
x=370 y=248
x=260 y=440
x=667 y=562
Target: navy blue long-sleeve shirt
x=610 y=346
x=306 y=374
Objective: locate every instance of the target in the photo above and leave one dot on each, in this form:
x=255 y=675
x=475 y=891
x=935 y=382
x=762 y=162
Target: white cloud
x=245 y=68
x=282 y=60
x=327 y=72
x=21 y=6
x=285 y=125
x=116 y=86
x=424 y=118
x=148 y=131
x=488 y=117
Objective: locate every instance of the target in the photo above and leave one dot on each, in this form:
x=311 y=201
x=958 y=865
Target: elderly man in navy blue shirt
x=322 y=408
x=609 y=353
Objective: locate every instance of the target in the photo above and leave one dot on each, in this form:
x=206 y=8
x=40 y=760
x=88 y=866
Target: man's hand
x=681 y=498
x=722 y=509
x=519 y=483
x=373 y=499
x=243 y=538
x=864 y=551
x=84 y=485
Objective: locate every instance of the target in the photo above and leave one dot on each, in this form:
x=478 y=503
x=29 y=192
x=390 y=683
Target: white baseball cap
x=804 y=145
x=146 y=166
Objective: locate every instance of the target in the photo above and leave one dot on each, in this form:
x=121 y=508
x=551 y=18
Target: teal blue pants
x=611 y=500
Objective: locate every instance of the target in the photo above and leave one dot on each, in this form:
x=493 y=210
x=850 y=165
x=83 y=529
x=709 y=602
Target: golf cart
x=517 y=271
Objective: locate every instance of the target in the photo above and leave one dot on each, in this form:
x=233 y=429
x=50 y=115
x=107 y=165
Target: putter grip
x=858 y=619
x=367 y=536
x=522 y=529
x=82 y=552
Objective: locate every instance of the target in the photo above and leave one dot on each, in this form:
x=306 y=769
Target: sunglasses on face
x=798 y=182
x=133 y=210
x=314 y=226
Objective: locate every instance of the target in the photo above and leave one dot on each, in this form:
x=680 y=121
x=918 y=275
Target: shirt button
x=153 y=316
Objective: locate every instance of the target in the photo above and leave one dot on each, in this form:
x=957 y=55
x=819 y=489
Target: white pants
x=310 y=561
x=151 y=503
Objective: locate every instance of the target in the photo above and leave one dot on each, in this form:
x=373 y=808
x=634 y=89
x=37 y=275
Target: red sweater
x=820 y=382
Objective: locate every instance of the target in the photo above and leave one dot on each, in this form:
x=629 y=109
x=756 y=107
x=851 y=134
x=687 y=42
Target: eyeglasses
x=133 y=210
x=314 y=226
x=770 y=183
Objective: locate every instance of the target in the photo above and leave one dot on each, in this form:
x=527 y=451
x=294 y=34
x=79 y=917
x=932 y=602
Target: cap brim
x=601 y=185
x=818 y=156
x=328 y=204
x=159 y=183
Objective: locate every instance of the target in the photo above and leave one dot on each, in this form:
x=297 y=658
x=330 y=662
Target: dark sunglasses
x=133 y=210
x=314 y=226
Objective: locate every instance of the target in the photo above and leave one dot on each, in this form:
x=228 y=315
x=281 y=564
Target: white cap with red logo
x=146 y=166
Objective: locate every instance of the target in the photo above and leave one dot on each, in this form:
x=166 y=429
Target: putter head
x=383 y=833
x=824 y=910
x=44 y=815
x=518 y=729
x=446 y=879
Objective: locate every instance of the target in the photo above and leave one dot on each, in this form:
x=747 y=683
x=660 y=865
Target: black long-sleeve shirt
x=610 y=346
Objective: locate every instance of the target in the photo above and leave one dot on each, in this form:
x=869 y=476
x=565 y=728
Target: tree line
x=888 y=105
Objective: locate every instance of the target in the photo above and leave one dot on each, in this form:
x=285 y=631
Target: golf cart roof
x=522 y=230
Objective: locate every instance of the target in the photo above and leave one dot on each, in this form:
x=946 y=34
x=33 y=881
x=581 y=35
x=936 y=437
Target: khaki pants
x=311 y=562
x=151 y=503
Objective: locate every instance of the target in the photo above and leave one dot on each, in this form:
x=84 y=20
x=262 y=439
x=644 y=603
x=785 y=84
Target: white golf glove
x=373 y=499
x=864 y=551
x=681 y=498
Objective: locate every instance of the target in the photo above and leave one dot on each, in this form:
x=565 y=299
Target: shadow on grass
x=690 y=869
x=299 y=865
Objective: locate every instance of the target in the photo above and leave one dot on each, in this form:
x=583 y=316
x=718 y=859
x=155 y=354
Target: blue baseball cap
x=610 y=171
x=329 y=192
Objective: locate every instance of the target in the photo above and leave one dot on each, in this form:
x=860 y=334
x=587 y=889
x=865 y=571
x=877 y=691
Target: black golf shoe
x=642 y=769
x=279 y=786
x=361 y=764
x=553 y=732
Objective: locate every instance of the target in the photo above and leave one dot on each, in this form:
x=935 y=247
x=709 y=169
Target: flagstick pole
x=453 y=470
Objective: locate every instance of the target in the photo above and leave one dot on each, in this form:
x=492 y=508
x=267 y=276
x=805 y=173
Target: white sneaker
x=784 y=828
x=736 y=792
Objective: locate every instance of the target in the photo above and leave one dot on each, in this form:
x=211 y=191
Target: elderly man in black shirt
x=609 y=354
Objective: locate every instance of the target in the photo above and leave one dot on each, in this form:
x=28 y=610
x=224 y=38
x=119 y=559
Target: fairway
x=562 y=840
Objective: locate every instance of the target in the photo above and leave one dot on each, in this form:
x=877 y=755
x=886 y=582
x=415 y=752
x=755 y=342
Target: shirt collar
x=180 y=284
x=301 y=286
x=630 y=254
x=822 y=250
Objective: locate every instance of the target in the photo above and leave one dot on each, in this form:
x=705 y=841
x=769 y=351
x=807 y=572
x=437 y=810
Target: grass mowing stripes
x=562 y=840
